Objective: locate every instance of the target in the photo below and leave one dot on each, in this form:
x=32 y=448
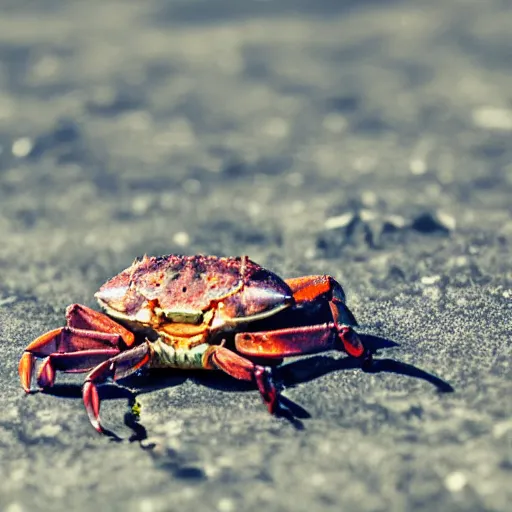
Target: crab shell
x=224 y=292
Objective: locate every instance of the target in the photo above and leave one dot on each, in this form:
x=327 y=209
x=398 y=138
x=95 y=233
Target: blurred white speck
x=22 y=147
x=146 y=505
x=192 y=186
x=447 y=220
x=460 y=261
x=225 y=505
x=396 y=220
x=340 y=221
x=14 y=507
x=507 y=294
x=181 y=238
x=141 y=204
x=418 y=166
x=335 y=123
x=369 y=198
x=493 y=118
x=430 y=280
x=276 y=127
x=502 y=428
x=455 y=481
x=367 y=215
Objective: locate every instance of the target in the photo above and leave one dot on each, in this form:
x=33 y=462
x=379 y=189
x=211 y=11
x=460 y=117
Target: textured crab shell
x=193 y=284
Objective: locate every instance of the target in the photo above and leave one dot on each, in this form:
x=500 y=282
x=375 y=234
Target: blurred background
x=371 y=140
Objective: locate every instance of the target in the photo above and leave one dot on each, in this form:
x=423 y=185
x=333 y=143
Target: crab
x=194 y=312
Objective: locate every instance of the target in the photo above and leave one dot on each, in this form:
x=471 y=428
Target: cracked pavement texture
x=367 y=140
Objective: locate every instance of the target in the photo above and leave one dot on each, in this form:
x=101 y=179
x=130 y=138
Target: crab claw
x=351 y=342
x=25 y=370
x=266 y=386
x=92 y=405
x=46 y=374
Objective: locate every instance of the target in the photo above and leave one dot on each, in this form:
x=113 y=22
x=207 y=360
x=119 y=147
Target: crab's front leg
x=335 y=334
x=88 y=338
x=241 y=368
x=115 y=368
x=324 y=287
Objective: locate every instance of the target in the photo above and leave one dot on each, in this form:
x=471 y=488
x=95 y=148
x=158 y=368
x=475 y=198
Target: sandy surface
x=368 y=140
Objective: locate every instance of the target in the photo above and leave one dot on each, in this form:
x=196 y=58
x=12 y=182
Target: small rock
x=418 y=166
x=225 y=505
x=340 y=221
x=493 y=118
x=430 y=280
x=393 y=223
x=434 y=222
x=181 y=238
x=455 y=481
x=22 y=147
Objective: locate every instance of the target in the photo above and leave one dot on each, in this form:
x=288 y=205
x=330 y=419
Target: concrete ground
x=368 y=140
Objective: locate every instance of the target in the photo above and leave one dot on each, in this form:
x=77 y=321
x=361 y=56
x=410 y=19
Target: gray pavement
x=368 y=140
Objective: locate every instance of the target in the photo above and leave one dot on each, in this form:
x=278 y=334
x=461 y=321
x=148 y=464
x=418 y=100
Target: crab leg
x=309 y=288
x=295 y=341
x=86 y=330
x=116 y=368
x=241 y=368
x=71 y=362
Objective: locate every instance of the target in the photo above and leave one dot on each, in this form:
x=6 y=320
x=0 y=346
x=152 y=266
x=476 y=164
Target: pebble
x=225 y=505
x=22 y=147
x=418 y=166
x=432 y=222
x=430 y=280
x=146 y=505
x=340 y=221
x=455 y=481
x=493 y=118
x=181 y=238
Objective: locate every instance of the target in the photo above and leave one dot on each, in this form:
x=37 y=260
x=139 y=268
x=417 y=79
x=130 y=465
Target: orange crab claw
x=25 y=370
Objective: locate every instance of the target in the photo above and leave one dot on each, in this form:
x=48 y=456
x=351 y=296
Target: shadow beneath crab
x=287 y=375
x=109 y=392
x=316 y=366
x=299 y=371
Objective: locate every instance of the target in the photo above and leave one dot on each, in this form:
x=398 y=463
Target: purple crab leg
x=241 y=368
x=116 y=368
x=86 y=330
